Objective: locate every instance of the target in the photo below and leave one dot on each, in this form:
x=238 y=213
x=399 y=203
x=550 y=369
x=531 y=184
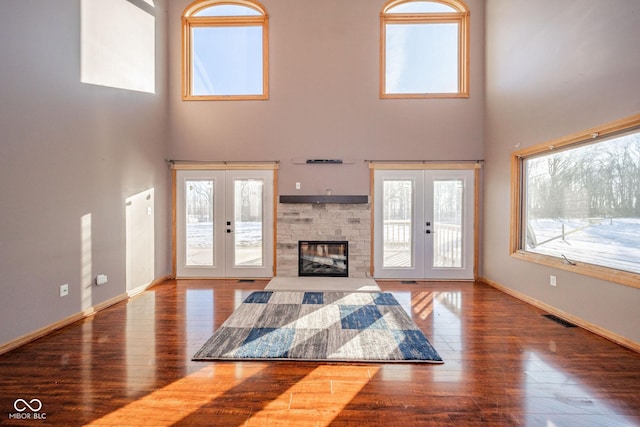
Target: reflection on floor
x=505 y=364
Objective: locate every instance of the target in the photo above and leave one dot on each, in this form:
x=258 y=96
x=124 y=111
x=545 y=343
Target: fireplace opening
x=323 y=258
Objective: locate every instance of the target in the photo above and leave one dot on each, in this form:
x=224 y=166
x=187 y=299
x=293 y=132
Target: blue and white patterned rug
x=319 y=326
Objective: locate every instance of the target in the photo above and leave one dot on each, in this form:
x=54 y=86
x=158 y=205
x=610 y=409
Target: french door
x=224 y=223
x=423 y=224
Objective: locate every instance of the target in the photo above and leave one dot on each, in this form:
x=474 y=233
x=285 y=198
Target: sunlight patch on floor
x=170 y=404
x=318 y=398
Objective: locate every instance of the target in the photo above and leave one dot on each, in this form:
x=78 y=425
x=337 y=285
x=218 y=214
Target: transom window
x=225 y=50
x=425 y=49
x=577 y=203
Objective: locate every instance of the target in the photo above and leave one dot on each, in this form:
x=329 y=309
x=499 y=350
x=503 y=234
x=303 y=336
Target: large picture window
x=425 y=49
x=577 y=202
x=225 y=50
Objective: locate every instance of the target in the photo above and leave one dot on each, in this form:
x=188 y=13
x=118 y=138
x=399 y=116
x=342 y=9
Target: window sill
x=625 y=278
x=423 y=95
x=225 y=98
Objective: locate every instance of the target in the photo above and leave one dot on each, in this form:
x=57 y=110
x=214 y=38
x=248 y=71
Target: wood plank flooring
x=505 y=364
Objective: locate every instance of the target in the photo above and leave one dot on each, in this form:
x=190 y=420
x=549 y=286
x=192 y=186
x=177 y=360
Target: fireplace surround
x=323 y=221
x=323 y=258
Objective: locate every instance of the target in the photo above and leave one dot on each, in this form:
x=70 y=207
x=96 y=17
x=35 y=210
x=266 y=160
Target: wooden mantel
x=337 y=199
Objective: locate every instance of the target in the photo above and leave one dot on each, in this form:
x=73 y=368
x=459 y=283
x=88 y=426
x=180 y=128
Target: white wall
x=324 y=102
x=552 y=69
x=71 y=153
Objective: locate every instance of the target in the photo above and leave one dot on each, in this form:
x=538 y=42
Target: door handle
x=229 y=230
x=428 y=231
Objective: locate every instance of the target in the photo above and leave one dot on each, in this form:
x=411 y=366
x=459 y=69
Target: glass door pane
x=448 y=195
x=449 y=208
x=199 y=220
x=248 y=222
x=398 y=207
x=397 y=223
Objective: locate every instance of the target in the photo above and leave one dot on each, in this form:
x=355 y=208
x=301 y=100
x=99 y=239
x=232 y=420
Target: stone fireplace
x=324 y=221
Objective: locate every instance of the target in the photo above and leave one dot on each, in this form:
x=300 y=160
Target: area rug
x=319 y=326
x=338 y=284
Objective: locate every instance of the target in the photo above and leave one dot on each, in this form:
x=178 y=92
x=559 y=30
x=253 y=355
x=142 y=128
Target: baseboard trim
x=25 y=339
x=141 y=289
x=605 y=333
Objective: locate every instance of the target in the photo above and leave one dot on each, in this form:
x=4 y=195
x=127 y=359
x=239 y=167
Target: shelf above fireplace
x=344 y=199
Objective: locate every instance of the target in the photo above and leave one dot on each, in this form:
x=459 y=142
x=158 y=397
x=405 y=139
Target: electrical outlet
x=101 y=279
x=297 y=186
x=64 y=290
x=552 y=281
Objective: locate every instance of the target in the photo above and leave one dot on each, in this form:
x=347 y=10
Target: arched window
x=425 y=49
x=225 y=50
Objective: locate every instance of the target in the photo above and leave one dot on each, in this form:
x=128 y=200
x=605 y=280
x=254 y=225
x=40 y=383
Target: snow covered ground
x=200 y=234
x=610 y=242
x=248 y=243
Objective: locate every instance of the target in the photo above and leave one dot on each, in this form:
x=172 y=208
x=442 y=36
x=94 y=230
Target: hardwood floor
x=505 y=364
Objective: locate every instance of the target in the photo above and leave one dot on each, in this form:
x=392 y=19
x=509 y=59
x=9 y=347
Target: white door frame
x=223 y=238
x=422 y=244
